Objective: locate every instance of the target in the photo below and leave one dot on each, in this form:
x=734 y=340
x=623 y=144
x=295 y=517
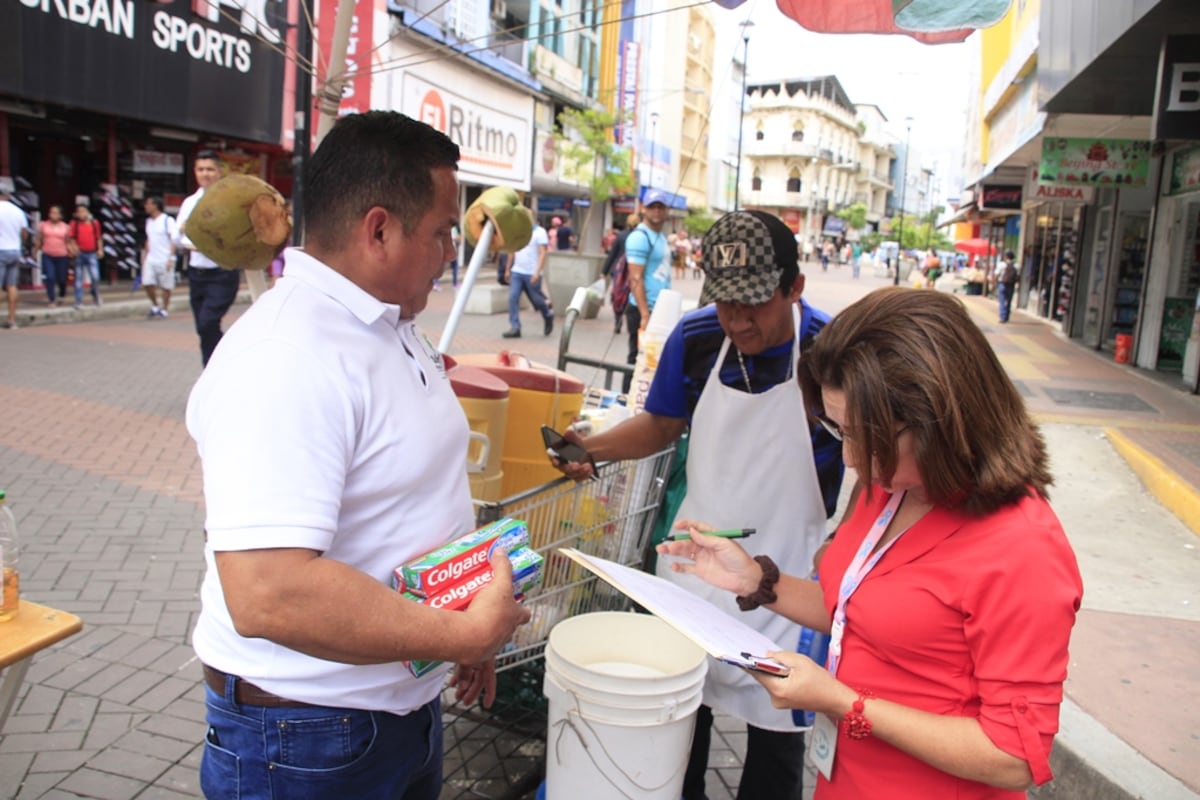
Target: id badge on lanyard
x=825 y=730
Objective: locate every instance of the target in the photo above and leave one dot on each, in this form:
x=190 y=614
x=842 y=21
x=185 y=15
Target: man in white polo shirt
x=360 y=467
x=158 y=256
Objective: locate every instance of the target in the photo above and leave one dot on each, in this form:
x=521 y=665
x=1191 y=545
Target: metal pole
x=464 y=290
x=302 y=138
x=330 y=97
x=903 y=192
x=737 y=183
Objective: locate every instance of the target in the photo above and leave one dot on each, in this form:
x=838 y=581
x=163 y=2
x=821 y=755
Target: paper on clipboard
x=721 y=636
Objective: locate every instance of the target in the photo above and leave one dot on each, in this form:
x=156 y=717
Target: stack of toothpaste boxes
x=449 y=577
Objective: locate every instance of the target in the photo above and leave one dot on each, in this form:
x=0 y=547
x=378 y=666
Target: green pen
x=730 y=533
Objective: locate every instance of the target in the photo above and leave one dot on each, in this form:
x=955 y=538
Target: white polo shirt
x=161 y=231
x=195 y=257
x=325 y=421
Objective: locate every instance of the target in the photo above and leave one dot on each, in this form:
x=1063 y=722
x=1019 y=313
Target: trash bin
x=1124 y=348
x=484 y=399
x=538 y=395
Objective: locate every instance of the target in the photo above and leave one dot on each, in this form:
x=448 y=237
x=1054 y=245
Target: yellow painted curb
x=1173 y=492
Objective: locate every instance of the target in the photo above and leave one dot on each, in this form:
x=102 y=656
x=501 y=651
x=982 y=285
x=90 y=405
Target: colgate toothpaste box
x=527 y=575
x=436 y=571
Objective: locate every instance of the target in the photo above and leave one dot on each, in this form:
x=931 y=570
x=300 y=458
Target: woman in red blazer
x=951 y=589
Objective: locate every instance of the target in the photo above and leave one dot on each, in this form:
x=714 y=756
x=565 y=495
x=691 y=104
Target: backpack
x=1009 y=273
x=620 y=278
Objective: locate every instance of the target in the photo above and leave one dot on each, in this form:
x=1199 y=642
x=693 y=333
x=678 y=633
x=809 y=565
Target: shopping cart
x=499 y=753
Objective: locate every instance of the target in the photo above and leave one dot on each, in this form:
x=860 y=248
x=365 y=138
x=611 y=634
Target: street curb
x=113 y=308
x=1173 y=492
x=1092 y=763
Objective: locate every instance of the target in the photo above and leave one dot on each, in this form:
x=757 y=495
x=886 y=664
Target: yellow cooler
x=537 y=395
x=484 y=399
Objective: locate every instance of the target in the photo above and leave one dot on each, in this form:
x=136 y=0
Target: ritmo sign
x=492 y=143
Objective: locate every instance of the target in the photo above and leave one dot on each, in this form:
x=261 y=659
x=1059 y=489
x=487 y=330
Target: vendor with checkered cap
x=727 y=377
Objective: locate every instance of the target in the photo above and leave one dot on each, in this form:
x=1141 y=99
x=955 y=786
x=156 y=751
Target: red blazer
x=962 y=617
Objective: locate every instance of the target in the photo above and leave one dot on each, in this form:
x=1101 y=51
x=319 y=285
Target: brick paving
x=105 y=485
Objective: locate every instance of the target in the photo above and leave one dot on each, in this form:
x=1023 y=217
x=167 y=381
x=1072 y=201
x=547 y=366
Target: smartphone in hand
x=559 y=447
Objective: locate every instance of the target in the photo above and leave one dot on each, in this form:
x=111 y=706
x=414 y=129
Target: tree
x=855 y=216
x=697 y=222
x=592 y=158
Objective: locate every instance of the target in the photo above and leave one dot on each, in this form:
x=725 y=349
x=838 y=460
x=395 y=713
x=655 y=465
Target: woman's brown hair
x=908 y=358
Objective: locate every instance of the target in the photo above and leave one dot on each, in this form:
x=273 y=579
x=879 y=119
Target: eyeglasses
x=835 y=430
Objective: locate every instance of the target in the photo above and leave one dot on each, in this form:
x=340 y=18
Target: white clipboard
x=723 y=637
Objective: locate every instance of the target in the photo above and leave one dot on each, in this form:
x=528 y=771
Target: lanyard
x=862 y=563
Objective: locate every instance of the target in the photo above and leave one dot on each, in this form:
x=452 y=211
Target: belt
x=246 y=693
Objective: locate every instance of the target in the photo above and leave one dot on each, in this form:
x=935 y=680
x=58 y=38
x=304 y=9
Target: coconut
x=241 y=222
x=512 y=221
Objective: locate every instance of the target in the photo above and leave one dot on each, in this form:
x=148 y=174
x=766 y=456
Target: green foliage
x=698 y=221
x=854 y=215
x=919 y=232
x=590 y=156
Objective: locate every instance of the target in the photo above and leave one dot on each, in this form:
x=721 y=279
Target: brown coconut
x=512 y=221
x=241 y=222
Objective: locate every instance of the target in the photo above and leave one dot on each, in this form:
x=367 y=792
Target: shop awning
x=965 y=212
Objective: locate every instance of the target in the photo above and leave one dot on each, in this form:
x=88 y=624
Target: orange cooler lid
x=536 y=377
x=477 y=383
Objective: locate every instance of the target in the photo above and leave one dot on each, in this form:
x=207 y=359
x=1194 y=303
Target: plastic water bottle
x=667 y=310
x=815 y=645
x=8 y=561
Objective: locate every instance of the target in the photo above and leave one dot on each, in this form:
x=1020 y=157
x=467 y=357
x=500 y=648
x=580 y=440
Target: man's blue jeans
x=1004 y=294
x=520 y=282
x=91 y=263
x=314 y=753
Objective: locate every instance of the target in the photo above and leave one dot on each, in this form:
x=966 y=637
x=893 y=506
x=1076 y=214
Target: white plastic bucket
x=623 y=691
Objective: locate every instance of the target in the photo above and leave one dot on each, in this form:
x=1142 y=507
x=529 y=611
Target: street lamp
x=908 y=121
x=737 y=181
x=653 y=145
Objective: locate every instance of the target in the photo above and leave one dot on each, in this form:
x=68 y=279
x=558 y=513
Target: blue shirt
x=649 y=247
x=688 y=356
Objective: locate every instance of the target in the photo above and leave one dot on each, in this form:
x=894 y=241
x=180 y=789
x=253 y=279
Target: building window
x=758 y=133
x=756 y=182
x=797 y=132
x=793 y=181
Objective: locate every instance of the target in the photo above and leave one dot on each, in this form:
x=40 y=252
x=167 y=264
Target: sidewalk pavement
x=105 y=485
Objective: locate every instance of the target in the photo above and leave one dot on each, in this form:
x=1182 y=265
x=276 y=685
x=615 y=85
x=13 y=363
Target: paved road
x=105 y=484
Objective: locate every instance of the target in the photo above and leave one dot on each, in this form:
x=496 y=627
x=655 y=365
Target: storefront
x=1053 y=223
x=1173 y=299
x=107 y=103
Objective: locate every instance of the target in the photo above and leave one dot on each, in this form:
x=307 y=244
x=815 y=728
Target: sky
x=903 y=77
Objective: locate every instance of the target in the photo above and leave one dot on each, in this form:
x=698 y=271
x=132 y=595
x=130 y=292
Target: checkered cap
x=742 y=260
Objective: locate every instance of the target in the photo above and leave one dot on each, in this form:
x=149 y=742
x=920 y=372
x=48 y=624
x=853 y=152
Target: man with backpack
x=1006 y=282
x=85 y=243
x=648 y=261
x=616 y=254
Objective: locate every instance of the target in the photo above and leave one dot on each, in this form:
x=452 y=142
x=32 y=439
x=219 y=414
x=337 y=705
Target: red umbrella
x=976 y=247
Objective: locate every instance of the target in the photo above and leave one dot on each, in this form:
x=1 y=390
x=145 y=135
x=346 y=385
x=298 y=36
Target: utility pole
x=737 y=181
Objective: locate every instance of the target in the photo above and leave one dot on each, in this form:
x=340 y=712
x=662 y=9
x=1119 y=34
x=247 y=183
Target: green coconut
x=241 y=222
x=512 y=221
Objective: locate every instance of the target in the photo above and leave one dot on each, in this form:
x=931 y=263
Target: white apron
x=750 y=465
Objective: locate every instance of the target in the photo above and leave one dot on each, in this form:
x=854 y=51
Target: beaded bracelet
x=857 y=724
x=765 y=593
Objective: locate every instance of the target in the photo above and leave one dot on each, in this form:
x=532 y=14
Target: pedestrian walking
x=211 y=289
x=525 y=270
x=361 y=467
x=649 y=262
x=14 y=232
x=615 y=251
x=51 y=243
x=950 y=591
x=86 y=244
x=158 y=257
x=1006 y=283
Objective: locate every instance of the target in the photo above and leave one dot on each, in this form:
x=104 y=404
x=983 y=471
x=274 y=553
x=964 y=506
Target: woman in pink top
x=52 y=242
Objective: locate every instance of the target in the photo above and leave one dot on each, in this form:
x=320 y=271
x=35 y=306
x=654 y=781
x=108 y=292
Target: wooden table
x=35 y=627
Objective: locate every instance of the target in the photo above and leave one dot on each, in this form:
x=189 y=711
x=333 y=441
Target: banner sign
x=627 y=88
x=1095 y=162
x=1000 y=197
x=1185 y=171
x=1177 y=108
x=210 y=65
x=152 y=161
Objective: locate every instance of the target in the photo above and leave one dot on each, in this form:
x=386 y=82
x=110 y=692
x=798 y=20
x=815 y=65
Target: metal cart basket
x=498 y=753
